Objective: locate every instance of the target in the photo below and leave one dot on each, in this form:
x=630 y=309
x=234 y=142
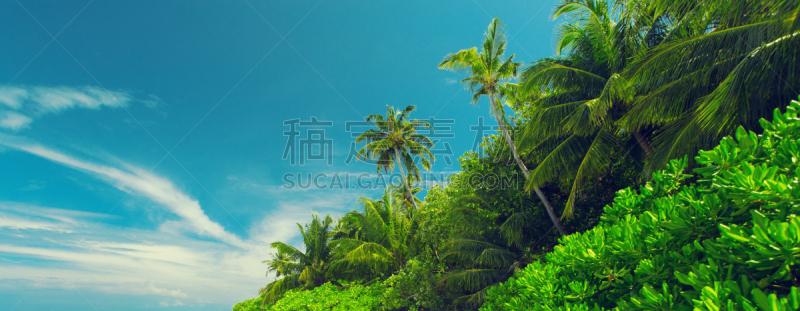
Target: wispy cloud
x=140 y=182
x=152 y=101
x=151 y=289
x=13 y=97
x=131 y=262
x=14 y=222
x=30 y=217
x=176 y=303
x=119 y=260
x=25 y=103
x=292 y=208
x=140 y=262
x=33 y=185
x=450 y=81
x=56 y=99
x=14 y=121
x=168 y=262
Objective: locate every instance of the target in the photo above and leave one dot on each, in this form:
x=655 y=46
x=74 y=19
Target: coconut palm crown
x=396 y=143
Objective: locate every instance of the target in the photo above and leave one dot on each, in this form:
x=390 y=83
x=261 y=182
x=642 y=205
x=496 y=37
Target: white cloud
x=33 y=185
x=124 y=260
x=56 y=99
x=177 y=303
x=29 y=217
x=31 y=102
x=17 y=223
x=143 y=183
x=152 y=101
x=450 y=81
x=165 y=262
x=14 y=121
x=13 y=96
x=151 y=289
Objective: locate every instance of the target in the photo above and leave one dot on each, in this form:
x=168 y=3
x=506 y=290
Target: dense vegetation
x=729 y=241
x=634 y=84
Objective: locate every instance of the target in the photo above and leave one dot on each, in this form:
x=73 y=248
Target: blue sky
x=141 y=142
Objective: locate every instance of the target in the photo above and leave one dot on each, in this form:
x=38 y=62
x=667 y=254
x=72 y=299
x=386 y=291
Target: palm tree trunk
x=405 y=181
x=513 y=148
x=643 y=143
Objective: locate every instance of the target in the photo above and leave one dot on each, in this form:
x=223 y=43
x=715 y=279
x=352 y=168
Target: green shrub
x=331 y=297
x=253 y=304
x=413 y=288
x=729 y=241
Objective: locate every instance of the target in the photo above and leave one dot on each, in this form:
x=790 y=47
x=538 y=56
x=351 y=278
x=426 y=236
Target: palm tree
x=580 y=96
x=487 y=70
x=690 y=71
x=488 y=256
x=722 y=64
x=379 y=245
x=301 y=269
x=396 y=142
x=486 y=263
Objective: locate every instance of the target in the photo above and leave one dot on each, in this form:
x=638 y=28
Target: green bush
x=328 y=297
x=253 y=304
x=411 y=288
x=728 y=241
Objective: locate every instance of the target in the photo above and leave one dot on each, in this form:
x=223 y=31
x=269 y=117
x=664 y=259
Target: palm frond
x=473 y=280
x=596 y=160
x=288 y=251
x=274 y=290
x=549 y=75
x=559 y=160
x=769 y=67
x=515 y=228
x=461 y=60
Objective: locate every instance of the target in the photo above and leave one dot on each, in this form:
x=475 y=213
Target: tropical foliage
x=408 y=289
x=730 y=241
x=633 y=84
x=325 y=297
x=581 y=95
x=396 y=141
x=679 y=75
x=720 y=64
x=300 y=269
x=487 y=70
x=378 y=241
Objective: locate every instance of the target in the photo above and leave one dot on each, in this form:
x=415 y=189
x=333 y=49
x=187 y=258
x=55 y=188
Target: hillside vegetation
x=650 y=164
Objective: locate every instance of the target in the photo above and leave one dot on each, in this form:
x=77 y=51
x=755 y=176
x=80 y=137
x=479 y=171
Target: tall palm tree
x=396 y=142
x=301 y=269
x=487 y=75
x=581 y=95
